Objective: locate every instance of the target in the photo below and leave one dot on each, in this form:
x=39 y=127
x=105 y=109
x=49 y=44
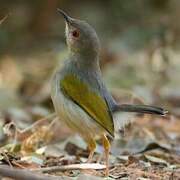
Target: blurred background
x=140 y=57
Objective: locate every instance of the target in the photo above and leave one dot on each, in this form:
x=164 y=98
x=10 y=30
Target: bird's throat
x=85 y=61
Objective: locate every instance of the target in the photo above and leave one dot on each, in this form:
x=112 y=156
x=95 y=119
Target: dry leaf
x=156 y=160
x=37 y=139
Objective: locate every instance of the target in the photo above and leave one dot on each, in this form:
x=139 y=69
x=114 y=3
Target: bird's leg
x=106 y=146
x=91 y=147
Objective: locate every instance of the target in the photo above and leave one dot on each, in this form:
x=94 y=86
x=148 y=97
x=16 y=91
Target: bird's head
x=80 y=36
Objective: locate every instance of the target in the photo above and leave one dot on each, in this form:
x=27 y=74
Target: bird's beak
x=67 y=18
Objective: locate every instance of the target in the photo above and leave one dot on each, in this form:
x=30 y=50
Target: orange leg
x=91 y=147
x=106 y=146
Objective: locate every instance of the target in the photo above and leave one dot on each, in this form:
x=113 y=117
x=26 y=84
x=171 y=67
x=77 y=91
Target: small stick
x=95 y=166
x=4 y=18
x=7 y=159
x=22 y=174
x=19 y=133
x=38 y=122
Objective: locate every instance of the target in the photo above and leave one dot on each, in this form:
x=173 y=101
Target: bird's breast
x=73 y=115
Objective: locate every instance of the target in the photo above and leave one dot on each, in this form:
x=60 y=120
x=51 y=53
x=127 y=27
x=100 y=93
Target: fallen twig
x=4 y=18
x=20 y=174
x=95 y=166
x=19 y=134
x=7 y=159
x=38 y=123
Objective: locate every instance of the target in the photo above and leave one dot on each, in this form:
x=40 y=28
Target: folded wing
x=91 y=102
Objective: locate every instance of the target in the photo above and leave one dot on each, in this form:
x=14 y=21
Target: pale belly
x=75 y=117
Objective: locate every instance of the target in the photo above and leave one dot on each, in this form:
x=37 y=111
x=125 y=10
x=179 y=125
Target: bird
x=78 y=93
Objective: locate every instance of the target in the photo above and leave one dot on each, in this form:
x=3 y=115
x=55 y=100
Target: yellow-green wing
x=91 y=102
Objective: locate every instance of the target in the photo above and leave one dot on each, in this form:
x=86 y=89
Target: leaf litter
x=149 y=148
x=147 y=154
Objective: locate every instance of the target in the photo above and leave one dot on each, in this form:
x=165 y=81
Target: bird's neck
x=85 y=61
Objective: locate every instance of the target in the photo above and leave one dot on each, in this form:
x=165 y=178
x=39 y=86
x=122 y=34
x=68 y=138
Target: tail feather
x=141 y=109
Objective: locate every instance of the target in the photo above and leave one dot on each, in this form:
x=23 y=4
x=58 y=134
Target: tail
x=141 y=109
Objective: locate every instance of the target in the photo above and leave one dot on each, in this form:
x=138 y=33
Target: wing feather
x=91 y=102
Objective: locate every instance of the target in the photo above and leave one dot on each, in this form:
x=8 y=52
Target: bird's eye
x=75 y=34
